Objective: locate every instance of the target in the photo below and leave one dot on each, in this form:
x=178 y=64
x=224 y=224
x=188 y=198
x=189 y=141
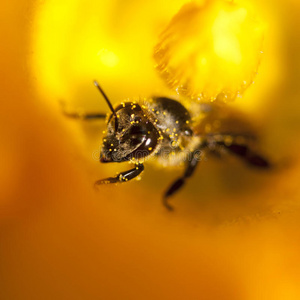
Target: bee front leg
x=79 y=114
x=123 y=176
x=85 y=116
x=177 y=184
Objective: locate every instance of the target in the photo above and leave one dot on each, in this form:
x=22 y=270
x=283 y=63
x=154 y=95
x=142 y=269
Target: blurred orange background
x=235 y=231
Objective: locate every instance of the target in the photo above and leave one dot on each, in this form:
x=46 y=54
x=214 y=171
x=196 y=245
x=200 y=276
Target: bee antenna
x=108 y=102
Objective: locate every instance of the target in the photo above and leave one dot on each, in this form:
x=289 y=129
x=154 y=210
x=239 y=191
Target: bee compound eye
x=137 y=139
x=138 y=130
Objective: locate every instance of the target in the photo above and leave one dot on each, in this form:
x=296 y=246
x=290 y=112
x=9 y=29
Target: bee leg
x=248 y=155
x=85 y=116
x=177 y=184
x=80 y=114
x=123 y=176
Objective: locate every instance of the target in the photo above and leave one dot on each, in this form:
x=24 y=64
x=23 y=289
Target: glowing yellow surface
x=108 y=58
x=76 y=42
x=210 y=50
x=224 y=30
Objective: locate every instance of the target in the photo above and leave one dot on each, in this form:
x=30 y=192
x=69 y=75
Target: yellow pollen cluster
x=211 y=50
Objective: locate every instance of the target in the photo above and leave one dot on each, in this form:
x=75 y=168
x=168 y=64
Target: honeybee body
x=163 y=130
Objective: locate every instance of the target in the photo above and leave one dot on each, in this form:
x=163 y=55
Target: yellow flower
x=234 y=234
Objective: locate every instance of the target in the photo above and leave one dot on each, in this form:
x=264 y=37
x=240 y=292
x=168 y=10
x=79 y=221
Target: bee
x=163 y=129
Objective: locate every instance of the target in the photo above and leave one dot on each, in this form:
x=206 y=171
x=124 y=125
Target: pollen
x=211 y=50
x=150 y=148
x=228 y=140
x=176 y=122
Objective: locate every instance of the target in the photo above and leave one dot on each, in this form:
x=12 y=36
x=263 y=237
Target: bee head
x=130 y=135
